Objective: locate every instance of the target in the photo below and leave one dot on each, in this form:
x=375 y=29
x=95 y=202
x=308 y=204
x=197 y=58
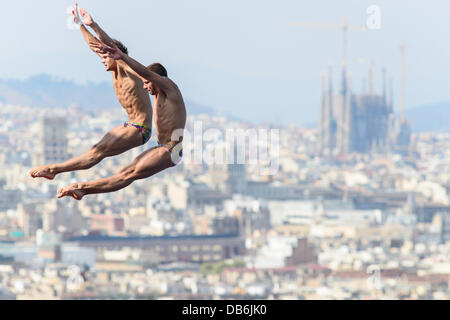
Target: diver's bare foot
x=43 y=172
x=72 y=190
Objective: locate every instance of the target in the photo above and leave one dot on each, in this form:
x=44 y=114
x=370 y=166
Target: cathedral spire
x=383 y=71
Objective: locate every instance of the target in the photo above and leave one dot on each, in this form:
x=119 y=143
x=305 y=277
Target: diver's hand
x=97 y=46
x=75 y=15
x=87 y=18
x=113 y=52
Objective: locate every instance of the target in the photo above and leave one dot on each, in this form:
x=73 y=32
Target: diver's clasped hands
x=85 y=17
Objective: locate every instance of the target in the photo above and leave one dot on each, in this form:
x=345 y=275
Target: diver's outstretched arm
x=98 y=47
x=90 y=39
x=102 y=35
x=115 y=53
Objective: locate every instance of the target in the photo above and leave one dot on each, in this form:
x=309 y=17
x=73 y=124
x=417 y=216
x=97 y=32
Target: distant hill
x=48 y=91
x=432 y=117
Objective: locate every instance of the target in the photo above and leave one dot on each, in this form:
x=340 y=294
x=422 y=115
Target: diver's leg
x=145 y=165
x=115 y=142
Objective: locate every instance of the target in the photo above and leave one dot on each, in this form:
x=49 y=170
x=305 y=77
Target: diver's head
x=111 y=64
x=157 y=68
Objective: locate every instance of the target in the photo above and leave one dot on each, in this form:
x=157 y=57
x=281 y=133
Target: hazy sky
x=238 y=56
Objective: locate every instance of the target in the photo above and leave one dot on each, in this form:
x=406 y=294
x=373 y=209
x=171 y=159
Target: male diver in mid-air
x=132 y=96
x=170 y=121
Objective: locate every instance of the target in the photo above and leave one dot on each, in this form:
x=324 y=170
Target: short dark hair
x=120 y=46
x=158 y=68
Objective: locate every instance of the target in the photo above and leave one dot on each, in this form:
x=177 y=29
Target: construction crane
x=345 y=27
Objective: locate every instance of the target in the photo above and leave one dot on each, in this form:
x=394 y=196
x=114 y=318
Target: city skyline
x=261 y=206
x=354 y=227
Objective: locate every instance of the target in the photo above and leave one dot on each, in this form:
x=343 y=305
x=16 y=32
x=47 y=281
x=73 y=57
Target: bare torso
x=132 y=96
x=170 y=115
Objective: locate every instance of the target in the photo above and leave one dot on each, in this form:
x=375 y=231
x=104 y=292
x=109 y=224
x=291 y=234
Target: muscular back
x=132 y=96
x=169 y=113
